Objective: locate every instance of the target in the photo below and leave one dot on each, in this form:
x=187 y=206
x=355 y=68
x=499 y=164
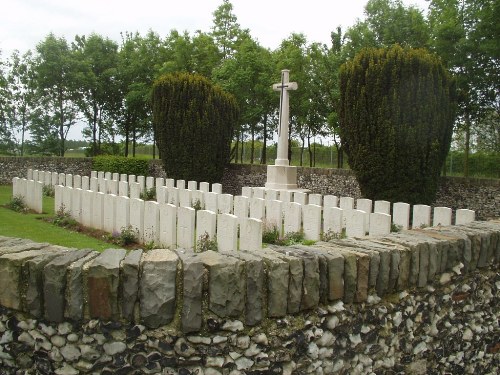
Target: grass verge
x=34 y=227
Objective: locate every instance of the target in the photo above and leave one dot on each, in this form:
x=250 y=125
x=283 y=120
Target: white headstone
x=383 y=207
x=101 y=185
x=311 y=214
x=442 y=216
x=58 y=196
x=76 y=204
x=115 y=176
x=112 y=187
x=137 y=217
x=131 y=178
x=205 y=224
x=286 y=196
x=205 y=187
x=85 y=183
x=251 y=234
x=355 y=223
x=173 y=196
x=77 y=181
x=366 y=206
x=225 y=203
x=192 y=185
x=109 y=213
x=162 y=194
x=181 y=184
x=217 y=188
x=168 y=225
x=300 y=198
x=186 y=227
x=246 y=191
x=198 y=199
x=159 y=182
x=170 y=182
x=293 y=217
x=272 y=194
x=35 y=175
x=184 y=198
x=257 y=208
x=123 y=177
x=141 y=180
x=259 y=192
x=30 y=174
x=332 y=220
x=62 y=179
x=316 y=199
x=93 y=174
x=380 y=224
x=464 y=216
x=150 y=182
x=69 y=180
x=98 y=211
x=274 y=213
x=211 y=202
x=100 y=174
x=227 y=232
x=48 y=179
x=37 y=197
x=401 y=215
x=421 y=216
x=241 y=207
x=67 y=199
x=87 y=208
x=346 y=203
x=55 y=179
x=135 y=190
x=123 y=189
x=108 y=176
x=151 y=222
x=122 y=212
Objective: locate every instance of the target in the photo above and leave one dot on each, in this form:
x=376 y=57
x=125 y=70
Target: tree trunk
x=252 y=146
x=263 y=159
x=309 y=151
x=242 y=148
x=303 y=145
x=467 y=145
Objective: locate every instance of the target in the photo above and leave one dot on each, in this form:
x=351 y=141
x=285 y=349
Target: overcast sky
x=24 y=23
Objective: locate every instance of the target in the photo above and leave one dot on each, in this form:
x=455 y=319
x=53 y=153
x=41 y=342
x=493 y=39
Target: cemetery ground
x=39 y=228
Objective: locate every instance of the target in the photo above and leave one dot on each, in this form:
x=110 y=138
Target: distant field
x=31 y=226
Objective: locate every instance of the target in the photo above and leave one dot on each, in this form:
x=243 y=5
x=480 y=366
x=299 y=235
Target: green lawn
x=30 y=226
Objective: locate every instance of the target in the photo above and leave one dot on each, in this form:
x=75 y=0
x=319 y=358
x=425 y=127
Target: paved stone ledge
x=186 y=290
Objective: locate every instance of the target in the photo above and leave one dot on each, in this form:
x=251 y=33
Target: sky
x=24 y=23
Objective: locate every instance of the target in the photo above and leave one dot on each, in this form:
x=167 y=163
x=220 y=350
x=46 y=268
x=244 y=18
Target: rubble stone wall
x=415 y=302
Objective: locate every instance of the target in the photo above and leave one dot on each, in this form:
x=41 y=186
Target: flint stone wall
x=480 y=195
x=421 y=301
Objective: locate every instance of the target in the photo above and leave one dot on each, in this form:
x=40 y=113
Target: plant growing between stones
x=396 y=228
x=149 y=194
x=206 y=243
x=126 y=236
x=330 y=235
x=197 y=205
x=17 y=204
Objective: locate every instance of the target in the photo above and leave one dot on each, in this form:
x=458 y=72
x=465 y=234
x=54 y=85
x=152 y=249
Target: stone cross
x=284 y=86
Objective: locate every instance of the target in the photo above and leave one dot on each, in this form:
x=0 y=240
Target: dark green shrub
x=193 y=124
x=397 y=110
x=17 y=204
x=120 y=164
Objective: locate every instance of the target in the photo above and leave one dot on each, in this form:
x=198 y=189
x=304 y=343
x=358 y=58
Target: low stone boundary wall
x=426 y=302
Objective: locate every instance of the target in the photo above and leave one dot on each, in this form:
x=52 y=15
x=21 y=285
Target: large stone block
x=54 y=284
x=129 y=283
x=193 y=272
x=158 y=287
x=103 y=278
x=226 y=284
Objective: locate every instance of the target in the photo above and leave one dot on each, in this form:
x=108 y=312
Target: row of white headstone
x=30 y=191
x=162 y=224
x=423 y=215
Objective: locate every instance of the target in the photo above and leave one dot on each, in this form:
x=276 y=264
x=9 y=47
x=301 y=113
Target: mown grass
x=33 y=227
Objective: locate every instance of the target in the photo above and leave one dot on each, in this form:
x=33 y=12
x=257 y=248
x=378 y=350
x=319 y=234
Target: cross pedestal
x=282 y=176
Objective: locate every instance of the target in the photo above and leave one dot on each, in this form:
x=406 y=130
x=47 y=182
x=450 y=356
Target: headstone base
x=282 y=177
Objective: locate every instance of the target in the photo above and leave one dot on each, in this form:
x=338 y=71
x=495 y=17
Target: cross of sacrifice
x=284 y=86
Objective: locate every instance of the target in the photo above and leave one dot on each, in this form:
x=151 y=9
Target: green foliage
x=481 y=164
x=193 y=123
x=149 y=194
x=330 y=235
x=397 y=112
x=396 y=228
x=17 y=204
x=63 y=219
x=271 y=235
x=197 y=205
x=206 y=243
x=120 y=164
x=127 y=236
x=48 y=190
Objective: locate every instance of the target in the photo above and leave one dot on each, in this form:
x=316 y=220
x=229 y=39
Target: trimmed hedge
x=193 y=123
x=121 y=164
x=397 y=111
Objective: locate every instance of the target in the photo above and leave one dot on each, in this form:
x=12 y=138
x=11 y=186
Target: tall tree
x=465 y=34
x=58 y=82
x=100 y=96
x=226 y=30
